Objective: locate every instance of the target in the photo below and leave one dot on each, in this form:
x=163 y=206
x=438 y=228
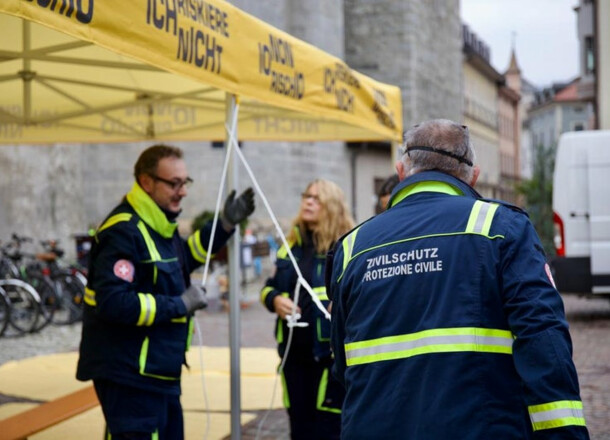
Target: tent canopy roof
x=144 y=69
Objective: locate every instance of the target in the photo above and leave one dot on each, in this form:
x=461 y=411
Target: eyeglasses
x=314 y=197
x=175 y=184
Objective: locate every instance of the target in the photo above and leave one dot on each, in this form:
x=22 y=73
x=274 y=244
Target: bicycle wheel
x=70 y=294
x=49 y=301
x=5 y=311
x=24 y=305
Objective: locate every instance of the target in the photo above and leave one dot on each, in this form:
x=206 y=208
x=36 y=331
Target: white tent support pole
x=234 y=278
x=26 y=73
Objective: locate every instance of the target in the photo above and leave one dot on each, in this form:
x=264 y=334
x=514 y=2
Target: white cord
x=292 y=318
x=304 y=282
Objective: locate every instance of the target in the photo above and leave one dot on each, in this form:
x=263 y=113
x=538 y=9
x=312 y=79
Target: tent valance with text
x=116 y=70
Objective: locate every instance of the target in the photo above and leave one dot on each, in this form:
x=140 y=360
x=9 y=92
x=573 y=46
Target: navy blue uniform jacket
x=135 y=328
x=446 y=323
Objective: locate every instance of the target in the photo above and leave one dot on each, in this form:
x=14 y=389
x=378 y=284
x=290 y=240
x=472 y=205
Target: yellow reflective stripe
x=279 y=334
x=282 y=252
x=148 y=309
x=197 y=250
x=117 y=218
x=90 y=297
x=142 y=362
x=264 y=292
x=150 y=244
x=321 y=293
x=348 y=248
x=488 y=219
x=431 y=186
x=181 y=320
x=557 y=414
x=319 y=330
x=322 y=394
x=285 y=396
x=189 y=337
x=481 y=216
x=427 y=342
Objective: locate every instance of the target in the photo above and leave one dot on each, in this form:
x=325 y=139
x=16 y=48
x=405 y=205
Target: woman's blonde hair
x=335 y=218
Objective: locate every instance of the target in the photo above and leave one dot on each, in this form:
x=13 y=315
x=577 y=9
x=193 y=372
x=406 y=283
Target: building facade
x=481 y=83
x=556 y=110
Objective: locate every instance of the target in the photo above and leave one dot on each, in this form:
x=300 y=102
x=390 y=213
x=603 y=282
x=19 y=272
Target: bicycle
x=23 y=305
x=30 y=272
x=69 y=283
x=5 y=311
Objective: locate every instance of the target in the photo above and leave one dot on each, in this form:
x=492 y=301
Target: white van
x=581 y=205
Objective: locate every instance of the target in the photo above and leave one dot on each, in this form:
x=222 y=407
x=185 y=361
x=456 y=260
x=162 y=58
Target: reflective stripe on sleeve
x=557 y=414
x=427 y=342
x=90 y=297
x=481 y=216
x=266 y=290
x=148 y=309
x=197 y=250
x=321 y=293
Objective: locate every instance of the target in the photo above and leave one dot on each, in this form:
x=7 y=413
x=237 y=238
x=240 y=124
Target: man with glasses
x=139 y=300
x=446 y=323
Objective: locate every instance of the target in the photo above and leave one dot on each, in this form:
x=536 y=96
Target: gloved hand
x=194 y=298
x=237 y=210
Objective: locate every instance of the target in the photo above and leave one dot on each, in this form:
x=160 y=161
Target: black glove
x=194 y=298
x=237 y=210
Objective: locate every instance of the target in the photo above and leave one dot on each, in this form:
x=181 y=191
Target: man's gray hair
x=439 y=144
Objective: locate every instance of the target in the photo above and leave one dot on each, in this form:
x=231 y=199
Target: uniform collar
x=150 y=212
x=431 y=181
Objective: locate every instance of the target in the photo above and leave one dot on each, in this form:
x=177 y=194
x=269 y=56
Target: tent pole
x=234 y=281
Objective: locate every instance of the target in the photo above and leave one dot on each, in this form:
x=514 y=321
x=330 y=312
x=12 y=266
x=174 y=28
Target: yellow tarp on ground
x=52 y=376
x=118 y=70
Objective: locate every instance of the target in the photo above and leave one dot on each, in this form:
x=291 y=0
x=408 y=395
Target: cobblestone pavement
x=590 y=329
x=589 y=325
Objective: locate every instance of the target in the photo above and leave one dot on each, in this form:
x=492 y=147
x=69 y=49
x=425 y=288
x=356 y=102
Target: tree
x=538 y=193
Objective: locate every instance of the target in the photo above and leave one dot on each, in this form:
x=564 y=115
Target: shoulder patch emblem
x=124 y=270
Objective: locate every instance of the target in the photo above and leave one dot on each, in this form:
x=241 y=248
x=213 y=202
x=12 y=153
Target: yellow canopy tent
x=109 y=75
x=115 y=70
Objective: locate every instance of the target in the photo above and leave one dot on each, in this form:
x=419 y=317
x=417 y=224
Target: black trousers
x=135 y=414
x=312 y=397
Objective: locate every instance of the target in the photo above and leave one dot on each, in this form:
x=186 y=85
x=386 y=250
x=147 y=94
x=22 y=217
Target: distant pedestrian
x=312 y=397
x=383 y=196
x=446 y=323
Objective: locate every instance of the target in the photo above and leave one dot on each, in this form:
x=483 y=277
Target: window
x=589 y=55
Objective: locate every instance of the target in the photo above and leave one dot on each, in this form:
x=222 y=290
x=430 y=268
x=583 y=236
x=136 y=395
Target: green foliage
x=538 y=192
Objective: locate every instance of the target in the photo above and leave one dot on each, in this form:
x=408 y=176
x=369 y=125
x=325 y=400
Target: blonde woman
x=312 y=397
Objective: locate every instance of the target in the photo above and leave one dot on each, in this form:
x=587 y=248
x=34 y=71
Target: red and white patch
x=547 y=268
x=124 y=270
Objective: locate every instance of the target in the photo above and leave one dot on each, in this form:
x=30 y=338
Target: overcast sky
x=545 y=35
